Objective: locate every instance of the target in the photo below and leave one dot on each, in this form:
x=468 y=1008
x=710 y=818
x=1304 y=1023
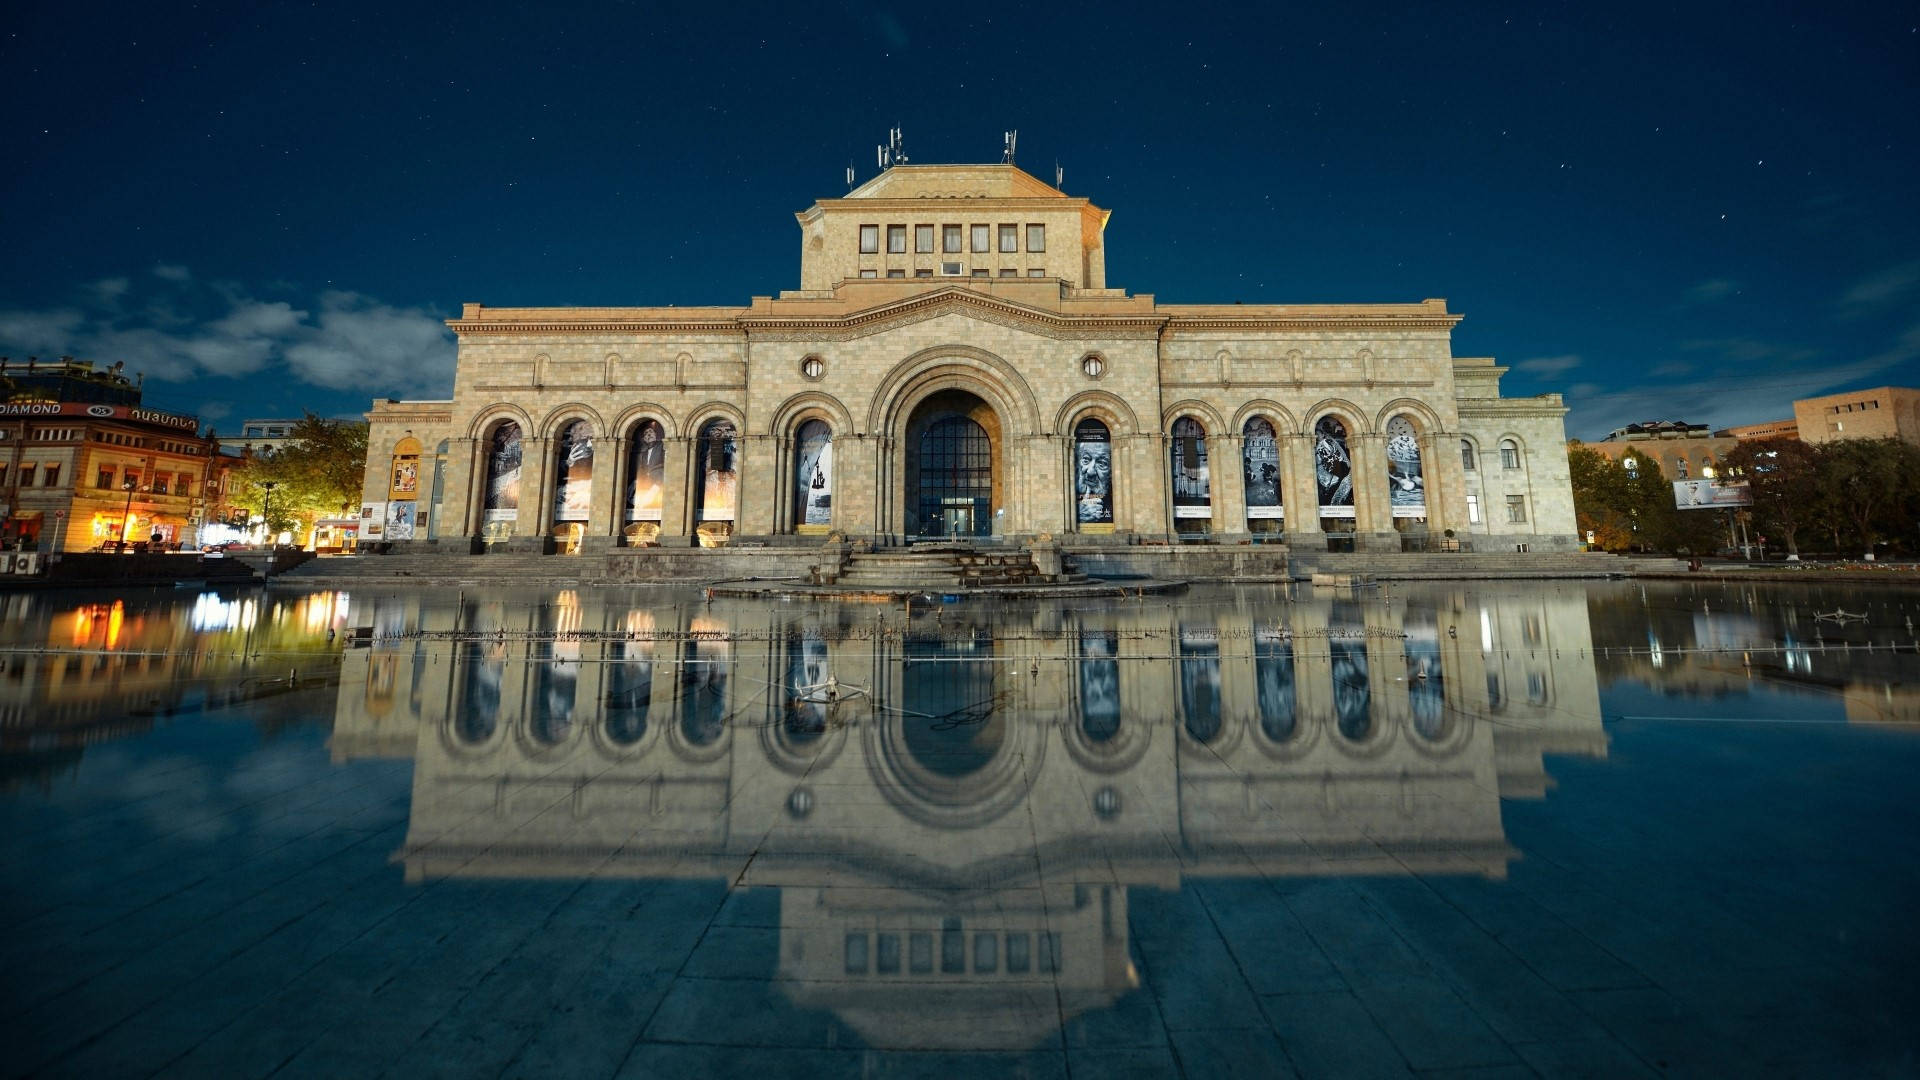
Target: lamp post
x=126 y=513
x=266 y=513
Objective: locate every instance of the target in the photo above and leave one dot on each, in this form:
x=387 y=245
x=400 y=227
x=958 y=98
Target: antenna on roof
x=1059 y=176
x=897 y=149
x=849 y=174
x=1009 y=140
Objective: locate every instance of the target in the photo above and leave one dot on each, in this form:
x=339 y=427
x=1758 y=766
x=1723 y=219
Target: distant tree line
x=1846 y=497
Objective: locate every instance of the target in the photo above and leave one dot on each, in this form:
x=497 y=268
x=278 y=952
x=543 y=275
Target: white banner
x=1416 y=511
x=1193 y=511
x=1709 y=495
x=1254 y=513
x=1336 y=511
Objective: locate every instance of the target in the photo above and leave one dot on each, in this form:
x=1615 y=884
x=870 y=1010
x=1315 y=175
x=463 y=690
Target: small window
x=813 y=367
x=950 y=239
x=923 y=272
x=186 y=483
x=1517 y=509
x=896 y=239
x=1466 y=455
x=53 y=476
x=1510 y=455
x=1680 y=467
x=1010 y=239
x=1008 y=271
x=869 y=245
x=27 y=474
x=982 y=239
x=1092 y=366
x=160 y=483
x=949 y=269
x=105 y=479
x=869 y=273
x=1473 y=509
x=923 y=239
x=1036 y=238
x=896 y=273
x=980 y=272
x=1036 y=272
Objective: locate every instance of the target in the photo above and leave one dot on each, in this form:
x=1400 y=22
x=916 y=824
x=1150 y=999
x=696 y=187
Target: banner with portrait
x=400 y=520
x=719 y=475
x=647 y=465
x=813 y=474
x=573 y=467
x=1406 y=483
x=1192 y=487
x=1093 y=473
x=1260 y=464
x=1711 y=495
x=503 y=473
x=1332 y=467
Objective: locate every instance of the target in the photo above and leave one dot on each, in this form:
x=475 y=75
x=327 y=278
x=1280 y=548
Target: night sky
x=1675 y=213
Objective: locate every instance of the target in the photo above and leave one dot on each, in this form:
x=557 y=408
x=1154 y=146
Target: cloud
x=110 y=290
x=1711 y=291
x=341 y=341
x=1747 y=352
x=1549 y=365
x=1879 y=290
x=361 y=342
x=214 y=410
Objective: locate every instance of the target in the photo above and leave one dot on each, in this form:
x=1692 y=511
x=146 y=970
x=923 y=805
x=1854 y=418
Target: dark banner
x=1093 y=472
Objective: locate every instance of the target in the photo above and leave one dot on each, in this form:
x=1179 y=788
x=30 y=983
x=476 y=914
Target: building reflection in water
x=954 y=809
x=78 y=670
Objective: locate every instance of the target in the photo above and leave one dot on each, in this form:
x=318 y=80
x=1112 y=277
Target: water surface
x=1564 y=829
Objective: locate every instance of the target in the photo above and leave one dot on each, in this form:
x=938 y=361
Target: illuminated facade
x=75 y=476
x=955 y=364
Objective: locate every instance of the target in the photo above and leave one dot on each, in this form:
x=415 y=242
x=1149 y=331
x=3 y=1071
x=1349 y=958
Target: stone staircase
x=946 y=567
x=1469 y=565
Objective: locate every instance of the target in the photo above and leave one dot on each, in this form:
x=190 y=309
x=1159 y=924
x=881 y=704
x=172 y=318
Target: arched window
x=1273 y=674
x=1406 y=483
x=1509 y=454
x=1192 y=490
x=813 y=476
x=1200 y=682
x=1466 y=456
x=1629 y=463
x=573 y=472
x=1426 y=676
x=1092 y=474
x=502 y=500
x=630 y=681
x=1680 y=469
x=703 y=682
x=807 y=696
x=1260 y=470
x=646 y=471
x=719 y=478
x=1352 y=680
x=1099 y=684
x=1333 y=475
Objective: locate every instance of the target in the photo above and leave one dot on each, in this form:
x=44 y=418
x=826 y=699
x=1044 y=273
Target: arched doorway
x=953 y=483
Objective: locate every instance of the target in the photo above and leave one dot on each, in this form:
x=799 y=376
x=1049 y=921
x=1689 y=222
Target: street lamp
x=126 y=514
x=266 y=513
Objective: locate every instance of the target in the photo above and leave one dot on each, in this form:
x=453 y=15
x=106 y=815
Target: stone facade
x=1887 y=412
x=951 y=387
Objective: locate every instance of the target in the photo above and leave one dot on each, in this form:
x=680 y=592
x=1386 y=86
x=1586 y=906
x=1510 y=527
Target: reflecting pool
x=1529 y=828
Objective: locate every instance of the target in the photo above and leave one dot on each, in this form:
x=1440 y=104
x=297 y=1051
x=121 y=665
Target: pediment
x=951 y=300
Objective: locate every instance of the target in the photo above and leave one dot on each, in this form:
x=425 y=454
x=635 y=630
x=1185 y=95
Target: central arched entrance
x=953 y=484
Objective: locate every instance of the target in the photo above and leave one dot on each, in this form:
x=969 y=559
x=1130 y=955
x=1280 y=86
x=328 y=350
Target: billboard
x=1709 y=495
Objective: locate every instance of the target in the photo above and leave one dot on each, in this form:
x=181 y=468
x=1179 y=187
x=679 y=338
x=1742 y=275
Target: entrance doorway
x=952 y=453
x=956 y=478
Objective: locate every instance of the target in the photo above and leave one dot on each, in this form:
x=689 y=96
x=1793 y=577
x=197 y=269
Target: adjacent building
x=94 y=467
x=955 y=364
x=1887 y=412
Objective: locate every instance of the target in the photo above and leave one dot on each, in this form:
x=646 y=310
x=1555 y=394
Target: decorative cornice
x=1178 y=324
x=728 y=327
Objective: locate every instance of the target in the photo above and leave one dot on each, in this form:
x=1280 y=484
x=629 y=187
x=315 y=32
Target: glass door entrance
x=956 y=479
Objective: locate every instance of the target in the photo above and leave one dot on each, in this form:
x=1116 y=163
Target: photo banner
x=1709 y=495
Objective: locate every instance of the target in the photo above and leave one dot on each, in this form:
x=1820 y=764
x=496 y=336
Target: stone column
x=761 y=483
x=529 y=523
x=676 y=501
x=1300 y=493
x=1372 y=505
x=1446 y=484
x=459 y=510
x=1226 y=479
x=608 y=507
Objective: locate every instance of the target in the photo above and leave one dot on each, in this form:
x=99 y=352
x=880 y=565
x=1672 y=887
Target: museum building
x=954 y=365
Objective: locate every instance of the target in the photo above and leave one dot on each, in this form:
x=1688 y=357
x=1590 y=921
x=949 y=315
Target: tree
x=1784 y=478
x=1601 y=497
x=315 y=472
x=1870 y=481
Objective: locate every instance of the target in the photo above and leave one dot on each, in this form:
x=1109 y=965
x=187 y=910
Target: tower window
x=869 y=245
